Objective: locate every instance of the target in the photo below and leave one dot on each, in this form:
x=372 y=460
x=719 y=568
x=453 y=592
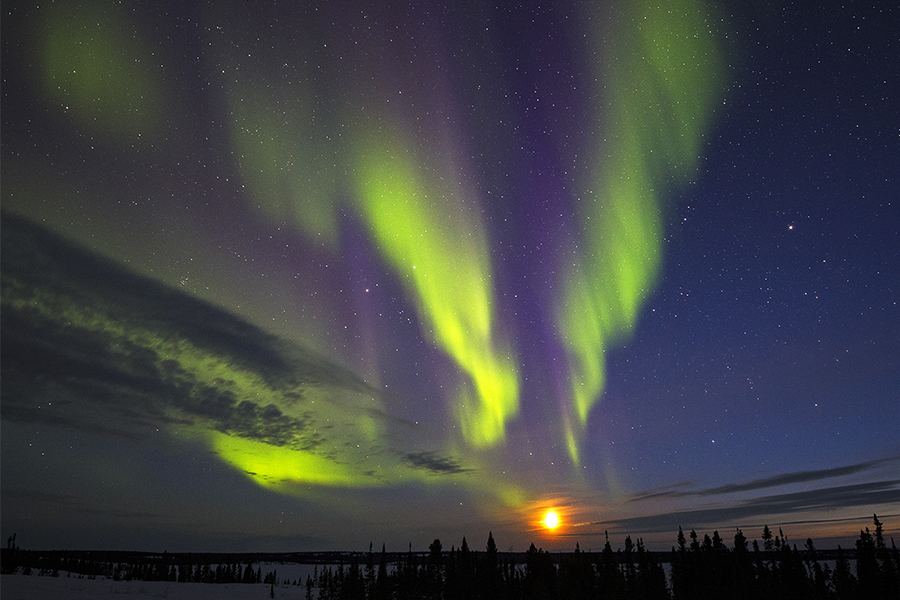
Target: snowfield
x=32 y=587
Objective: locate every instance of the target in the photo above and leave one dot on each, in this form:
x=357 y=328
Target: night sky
x=296 y=276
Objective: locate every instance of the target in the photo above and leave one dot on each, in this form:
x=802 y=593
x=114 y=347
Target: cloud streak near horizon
x=767 y=482
x=838 y=497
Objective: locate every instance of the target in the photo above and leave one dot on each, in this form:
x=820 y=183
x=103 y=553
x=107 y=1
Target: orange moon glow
x=551 y=520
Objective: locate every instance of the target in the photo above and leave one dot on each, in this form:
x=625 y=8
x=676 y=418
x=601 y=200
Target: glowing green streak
x=283 y=468
x=97 y=70
x=424 y=230
x=663 y=75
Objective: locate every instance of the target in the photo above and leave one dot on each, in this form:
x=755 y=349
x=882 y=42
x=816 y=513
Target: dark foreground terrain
x=695 y=568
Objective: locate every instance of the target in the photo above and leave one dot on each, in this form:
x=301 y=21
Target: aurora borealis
x=296 y=276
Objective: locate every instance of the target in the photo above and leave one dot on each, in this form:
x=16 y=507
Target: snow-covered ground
x=33 y=587
x=21 y=587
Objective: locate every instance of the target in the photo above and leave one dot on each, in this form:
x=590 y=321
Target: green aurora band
x=438 y=246
x=425 y=224
x=662 y=77
x=420 y=223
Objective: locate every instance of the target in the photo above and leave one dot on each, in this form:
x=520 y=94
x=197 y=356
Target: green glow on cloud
x=437 y=244
x=661 y=77
x=332 y=434
x=282 y=468
x=97 y=69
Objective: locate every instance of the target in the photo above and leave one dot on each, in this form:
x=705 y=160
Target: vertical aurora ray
x=438 y=246
x=661 y=75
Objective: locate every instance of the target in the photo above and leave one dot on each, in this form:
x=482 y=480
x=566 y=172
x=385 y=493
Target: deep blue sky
x=219 y=330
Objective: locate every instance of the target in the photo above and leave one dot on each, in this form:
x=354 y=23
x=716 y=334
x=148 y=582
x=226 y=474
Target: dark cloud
x=73 y=377
x=38 y=264
x=84 y=342
x=433 y=462
x=866 y=518
x=39 y=260
x=767 y=482
x=68 y=376
x=847 y=496
x=668 y=491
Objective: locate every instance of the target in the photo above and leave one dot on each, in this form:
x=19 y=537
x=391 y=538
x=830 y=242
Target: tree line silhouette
x=699 y=568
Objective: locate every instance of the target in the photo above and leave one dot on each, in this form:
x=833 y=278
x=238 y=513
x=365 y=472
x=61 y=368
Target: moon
x=551 y=520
